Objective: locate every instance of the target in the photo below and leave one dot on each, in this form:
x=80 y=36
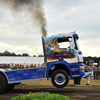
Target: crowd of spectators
x=18 y=66
x=91 y=68
x=95 y=68
x=5 y=66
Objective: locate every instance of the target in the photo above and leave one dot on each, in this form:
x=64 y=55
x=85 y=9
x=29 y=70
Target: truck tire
x=3 y=84
x=11 y=87
x=60 y=78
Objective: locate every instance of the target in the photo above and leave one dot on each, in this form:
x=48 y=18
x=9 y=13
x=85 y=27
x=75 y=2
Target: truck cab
x=63 y=46
x=65 y=56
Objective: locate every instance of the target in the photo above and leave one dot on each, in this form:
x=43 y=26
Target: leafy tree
x=34 y=55
x=25 y=54
x=19 y=55
x=40 y=55
x=13 y=54
x=6 y=53
x=1 y=54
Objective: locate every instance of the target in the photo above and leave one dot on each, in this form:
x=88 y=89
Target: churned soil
x=78 y=93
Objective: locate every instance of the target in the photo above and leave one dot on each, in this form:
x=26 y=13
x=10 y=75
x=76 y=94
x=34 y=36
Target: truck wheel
x=3 y=84
x=11 y=87
x=60 y=78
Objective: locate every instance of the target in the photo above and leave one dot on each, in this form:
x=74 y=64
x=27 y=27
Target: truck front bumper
x=81 y=72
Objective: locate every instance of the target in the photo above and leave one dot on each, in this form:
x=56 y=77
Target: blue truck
x=60 y=64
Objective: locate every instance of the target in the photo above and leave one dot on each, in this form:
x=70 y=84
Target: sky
x=21 y=35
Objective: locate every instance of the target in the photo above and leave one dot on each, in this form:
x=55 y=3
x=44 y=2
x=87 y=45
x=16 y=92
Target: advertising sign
x=26 y=74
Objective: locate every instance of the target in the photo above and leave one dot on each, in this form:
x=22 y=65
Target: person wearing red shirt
x=20 y=66
x=27 y=66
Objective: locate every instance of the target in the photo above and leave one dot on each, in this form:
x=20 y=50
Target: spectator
x=38 y=65
x=4 y=65
x=27 y=66
x=7 y=66
x=99 y=68
x=87 y=68
x=35 y=65
x=1 y=66
x=95 y=71
x=20 y=66
x=12 y=66
x=15 y=67
x=84 y=66
x=31 y=66
x=91 y=68
x=23 y=67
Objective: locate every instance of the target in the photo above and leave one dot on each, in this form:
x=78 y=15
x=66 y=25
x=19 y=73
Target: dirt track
x=78 y=93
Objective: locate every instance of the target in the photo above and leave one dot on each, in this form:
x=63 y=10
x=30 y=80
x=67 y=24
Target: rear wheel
x=3 y=84
x=60 y=78
x=11 y=87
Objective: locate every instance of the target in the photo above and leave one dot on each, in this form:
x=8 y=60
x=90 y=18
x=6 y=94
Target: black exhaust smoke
x=32 y=7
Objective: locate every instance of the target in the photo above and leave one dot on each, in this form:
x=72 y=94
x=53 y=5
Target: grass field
x=71 y=83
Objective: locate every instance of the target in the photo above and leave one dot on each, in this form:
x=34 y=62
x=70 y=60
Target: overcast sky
x=20 y=35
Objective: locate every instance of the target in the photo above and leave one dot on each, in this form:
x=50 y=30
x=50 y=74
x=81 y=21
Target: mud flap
x=77 y=80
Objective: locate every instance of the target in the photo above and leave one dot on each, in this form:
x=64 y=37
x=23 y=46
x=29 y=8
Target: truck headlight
x=81 y=67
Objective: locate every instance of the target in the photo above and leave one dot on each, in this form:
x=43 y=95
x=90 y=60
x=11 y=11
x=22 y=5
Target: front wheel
x=60 y=78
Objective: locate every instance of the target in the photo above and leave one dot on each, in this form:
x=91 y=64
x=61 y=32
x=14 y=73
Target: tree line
x=7 y=53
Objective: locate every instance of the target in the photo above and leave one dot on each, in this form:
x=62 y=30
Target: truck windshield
x=63 y=45
x=77 y=45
